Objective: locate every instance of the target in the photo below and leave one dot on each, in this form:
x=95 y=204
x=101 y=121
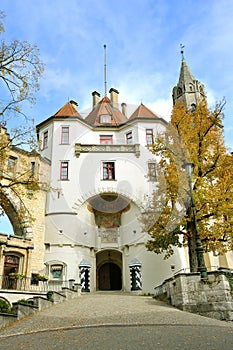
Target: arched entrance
x=110 y=277
x=109 y=270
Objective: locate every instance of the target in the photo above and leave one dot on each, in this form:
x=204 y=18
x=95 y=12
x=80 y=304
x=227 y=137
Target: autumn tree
x=20 y=71
x=195 y=137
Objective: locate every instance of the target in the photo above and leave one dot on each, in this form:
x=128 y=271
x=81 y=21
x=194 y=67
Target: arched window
x=179 y=91
x=193 y=107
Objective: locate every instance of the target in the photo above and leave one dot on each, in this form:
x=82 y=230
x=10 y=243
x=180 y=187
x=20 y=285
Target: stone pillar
x=84 y=273
x=135 y=274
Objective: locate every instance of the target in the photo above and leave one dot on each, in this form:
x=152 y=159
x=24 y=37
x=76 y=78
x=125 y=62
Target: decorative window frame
x=11 y=165
x=129 y=138
x=56 y=263
x=152 y=171
x=65 y=140
x=149 y=137
x=106 y=139
x=64 y=164
x=110 y=167
x=45 y=139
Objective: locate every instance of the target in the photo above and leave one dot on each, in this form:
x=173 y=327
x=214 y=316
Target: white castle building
x=101 y=172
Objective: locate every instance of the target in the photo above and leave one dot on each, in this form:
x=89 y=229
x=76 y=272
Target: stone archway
x=16 y=212
x=109 y=270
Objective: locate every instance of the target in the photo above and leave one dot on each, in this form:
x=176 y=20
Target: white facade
x=93 y=234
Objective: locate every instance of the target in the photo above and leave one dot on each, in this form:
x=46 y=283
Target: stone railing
x=160 y=290
x=90 y=148
x=188 y=292
x=30 y=304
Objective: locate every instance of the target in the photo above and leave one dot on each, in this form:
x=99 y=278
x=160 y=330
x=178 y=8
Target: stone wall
x=24 y=204
x=188 y=292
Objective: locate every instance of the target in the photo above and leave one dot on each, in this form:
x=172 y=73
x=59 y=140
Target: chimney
x=75 y=104
x=114 y=97
x=96 y=98
x=124 y=109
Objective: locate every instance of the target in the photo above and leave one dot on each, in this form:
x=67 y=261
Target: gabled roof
x=68 y=110
x=143 y=112
x=104 y=107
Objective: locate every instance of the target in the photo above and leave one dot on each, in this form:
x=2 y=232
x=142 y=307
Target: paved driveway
x=116 y=321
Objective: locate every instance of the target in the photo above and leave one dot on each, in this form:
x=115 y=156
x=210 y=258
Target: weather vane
x=182 y=50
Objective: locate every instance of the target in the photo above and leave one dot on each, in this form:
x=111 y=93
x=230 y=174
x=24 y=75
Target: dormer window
x=105 y=119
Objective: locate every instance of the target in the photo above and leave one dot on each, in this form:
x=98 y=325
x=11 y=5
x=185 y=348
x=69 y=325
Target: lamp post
x=199 y=249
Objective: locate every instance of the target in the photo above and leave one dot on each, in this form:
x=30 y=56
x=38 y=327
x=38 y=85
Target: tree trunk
x=193 y=263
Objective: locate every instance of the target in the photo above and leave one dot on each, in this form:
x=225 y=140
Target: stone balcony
x=98 y=148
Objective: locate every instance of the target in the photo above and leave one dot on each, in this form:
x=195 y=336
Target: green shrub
x=5 y=307
x=50 y=295
x=229 y=277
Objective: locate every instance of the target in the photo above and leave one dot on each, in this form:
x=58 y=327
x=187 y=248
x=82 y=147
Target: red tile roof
x=143 y=112
x=104 y=107
x=68 y=110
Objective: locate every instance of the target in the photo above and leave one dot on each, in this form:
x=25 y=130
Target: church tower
x=189 y=90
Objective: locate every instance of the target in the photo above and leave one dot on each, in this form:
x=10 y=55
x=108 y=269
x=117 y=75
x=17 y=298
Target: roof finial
x=105 y=71
x=182 y=51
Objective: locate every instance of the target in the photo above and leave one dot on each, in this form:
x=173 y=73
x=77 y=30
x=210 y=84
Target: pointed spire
x=189 y=89
x=185 y=74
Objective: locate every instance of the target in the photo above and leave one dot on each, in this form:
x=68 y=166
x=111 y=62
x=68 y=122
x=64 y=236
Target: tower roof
x=105 y=108
x=68 y=110
x=188 y=89
x=185 y=73
x=143 y=112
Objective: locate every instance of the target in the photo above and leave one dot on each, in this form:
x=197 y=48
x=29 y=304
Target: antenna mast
x=105 y=71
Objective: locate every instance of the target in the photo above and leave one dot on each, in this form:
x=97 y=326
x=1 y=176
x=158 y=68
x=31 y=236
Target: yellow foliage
x=194 y=137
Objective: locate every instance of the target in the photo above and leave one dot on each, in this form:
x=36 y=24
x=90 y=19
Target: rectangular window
x=11 y=166
x=45 y=139
x=33 y=166
x=108 y=170
x=64 y=167
x=149 y=137
x=64 y=135
x=129 y=138
x=152 y=174
x=106 y=139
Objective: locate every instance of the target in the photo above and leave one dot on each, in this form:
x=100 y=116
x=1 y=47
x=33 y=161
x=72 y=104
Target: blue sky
x=143 y=40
